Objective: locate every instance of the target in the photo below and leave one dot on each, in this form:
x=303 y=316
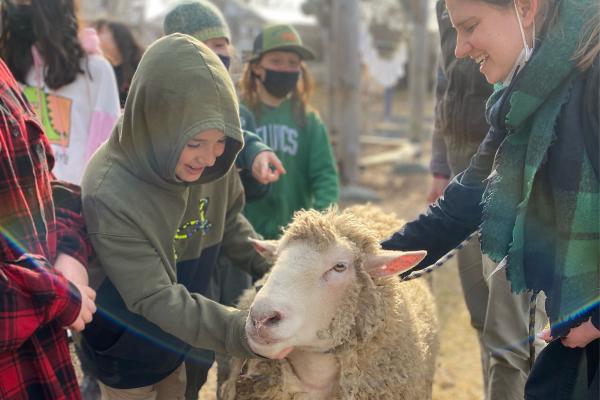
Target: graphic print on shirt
x=281 y=138
x=54 y=112
x=201 y=224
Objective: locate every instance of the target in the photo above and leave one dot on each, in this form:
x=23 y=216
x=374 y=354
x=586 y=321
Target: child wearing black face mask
x=275 y=86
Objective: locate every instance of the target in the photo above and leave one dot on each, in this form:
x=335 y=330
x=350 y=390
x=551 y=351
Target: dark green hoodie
x=157 y=238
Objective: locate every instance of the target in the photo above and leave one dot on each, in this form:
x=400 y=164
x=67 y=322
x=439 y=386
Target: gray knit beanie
x=199 y=18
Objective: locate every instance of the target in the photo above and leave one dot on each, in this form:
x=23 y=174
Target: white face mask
x=525 y=53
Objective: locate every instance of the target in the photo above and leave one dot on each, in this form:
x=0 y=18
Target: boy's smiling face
x=199 y=153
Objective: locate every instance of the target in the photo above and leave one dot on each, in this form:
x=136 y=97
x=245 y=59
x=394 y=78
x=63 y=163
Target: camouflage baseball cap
x=281 y=38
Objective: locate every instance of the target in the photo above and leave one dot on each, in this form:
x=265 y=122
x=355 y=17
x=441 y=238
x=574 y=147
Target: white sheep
x=333 y=317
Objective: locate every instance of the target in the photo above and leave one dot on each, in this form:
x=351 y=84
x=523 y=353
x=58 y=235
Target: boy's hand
x=88 y=307
x=267 y=167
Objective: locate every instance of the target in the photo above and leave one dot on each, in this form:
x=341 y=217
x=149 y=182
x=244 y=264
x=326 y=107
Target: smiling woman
x=540 y=221
x=479 y=27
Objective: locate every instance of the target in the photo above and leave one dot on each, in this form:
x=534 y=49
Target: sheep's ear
x=391 y=262
x=266 y=248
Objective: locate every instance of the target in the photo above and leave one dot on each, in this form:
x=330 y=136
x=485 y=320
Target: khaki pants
x=476 y=294
x=505 y=335
x=501 y=319
x=170 y=388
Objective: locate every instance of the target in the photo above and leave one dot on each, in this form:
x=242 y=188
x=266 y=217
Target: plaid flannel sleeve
x=70 y=227
x=32 y=297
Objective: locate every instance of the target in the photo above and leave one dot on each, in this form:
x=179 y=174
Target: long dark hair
x=131 y=51
x=55 y=27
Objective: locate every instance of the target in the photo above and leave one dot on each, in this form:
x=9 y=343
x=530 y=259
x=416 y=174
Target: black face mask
x=20 y=22
x=280 y=83
x=226 y=60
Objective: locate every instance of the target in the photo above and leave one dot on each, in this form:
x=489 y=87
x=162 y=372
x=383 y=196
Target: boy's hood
x=180 y=89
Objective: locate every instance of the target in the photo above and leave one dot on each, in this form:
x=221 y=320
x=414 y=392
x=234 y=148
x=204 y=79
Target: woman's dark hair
x=55 y=28
x=131 y=52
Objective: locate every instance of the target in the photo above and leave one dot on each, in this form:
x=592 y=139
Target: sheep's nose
x=265 y=319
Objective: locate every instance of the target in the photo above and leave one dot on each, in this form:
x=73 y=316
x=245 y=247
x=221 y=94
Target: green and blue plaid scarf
x=544 y=219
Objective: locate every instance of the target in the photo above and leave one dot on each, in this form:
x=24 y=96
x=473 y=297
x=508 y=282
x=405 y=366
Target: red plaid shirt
x=35 y=302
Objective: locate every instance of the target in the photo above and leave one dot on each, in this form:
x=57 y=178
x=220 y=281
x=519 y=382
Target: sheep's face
x=308 y=289
x=304 y=289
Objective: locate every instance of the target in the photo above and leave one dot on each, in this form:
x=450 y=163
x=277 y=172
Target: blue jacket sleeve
x=455 y=215
x=253 y=144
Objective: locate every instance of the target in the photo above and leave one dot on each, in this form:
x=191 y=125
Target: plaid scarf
x=541 y=202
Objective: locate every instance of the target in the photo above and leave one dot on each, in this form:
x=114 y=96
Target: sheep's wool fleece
x=388 y=350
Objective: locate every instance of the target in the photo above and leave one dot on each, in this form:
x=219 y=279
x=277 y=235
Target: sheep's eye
x=340 y=267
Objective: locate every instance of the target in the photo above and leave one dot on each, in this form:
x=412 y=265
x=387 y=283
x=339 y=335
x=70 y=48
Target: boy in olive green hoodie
x=257 y=163
x=161 y=200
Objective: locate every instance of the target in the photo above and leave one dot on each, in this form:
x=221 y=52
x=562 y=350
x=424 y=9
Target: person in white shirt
x=71 y=86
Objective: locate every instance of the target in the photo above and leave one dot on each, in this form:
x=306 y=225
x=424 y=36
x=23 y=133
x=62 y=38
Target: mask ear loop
x=528 y=50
